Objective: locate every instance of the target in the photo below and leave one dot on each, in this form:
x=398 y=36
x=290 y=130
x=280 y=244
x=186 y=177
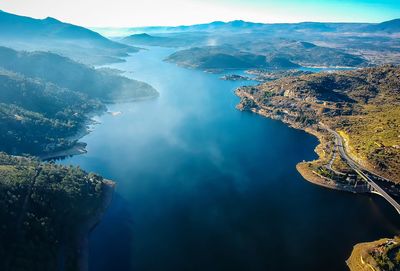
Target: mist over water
x=203 y=186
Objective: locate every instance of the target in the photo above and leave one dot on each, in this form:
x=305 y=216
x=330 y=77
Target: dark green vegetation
x=46 y=104
x=226 y=57
x=364 y=105
x=387 y=255
x=38 y=117
x=81 y=44
x=96 y=83
x=46 y=100
x=43 y=208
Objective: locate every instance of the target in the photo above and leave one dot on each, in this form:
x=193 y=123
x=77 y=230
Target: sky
x=131 y=13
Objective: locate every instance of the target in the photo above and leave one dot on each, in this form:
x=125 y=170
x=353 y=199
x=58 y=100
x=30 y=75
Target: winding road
x=360 y=171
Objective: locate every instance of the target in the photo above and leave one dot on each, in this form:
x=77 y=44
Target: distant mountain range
x=389 y=26
x=79 y=43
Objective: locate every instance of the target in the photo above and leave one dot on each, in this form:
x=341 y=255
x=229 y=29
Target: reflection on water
x=202 y=186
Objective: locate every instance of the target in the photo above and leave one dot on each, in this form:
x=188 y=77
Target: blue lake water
x=203 y=186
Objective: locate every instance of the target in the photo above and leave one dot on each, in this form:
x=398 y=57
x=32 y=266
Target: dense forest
x=42 y=208
x=38 y=117
x=46 y=100
x=64 y=72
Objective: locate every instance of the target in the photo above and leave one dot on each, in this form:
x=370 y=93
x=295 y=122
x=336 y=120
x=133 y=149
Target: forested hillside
x=96 y=83
x=49 y=34
x=37 y=117
x=43 y=209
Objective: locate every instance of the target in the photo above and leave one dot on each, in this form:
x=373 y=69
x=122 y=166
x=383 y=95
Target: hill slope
x=67 y=73
x=363 y=105
x=46 y=100
x=38 y=117
x=149 y=40
x=286 y=55
x=79 y=43
x=45 y=209
x=389 y=26
x=225 y=57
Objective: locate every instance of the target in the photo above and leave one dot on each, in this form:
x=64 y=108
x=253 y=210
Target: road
x=360 y=170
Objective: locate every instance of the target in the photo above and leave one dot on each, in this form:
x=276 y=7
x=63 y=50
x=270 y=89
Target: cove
x=203 y=186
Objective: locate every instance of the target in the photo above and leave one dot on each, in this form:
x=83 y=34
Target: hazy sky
x=177 y=12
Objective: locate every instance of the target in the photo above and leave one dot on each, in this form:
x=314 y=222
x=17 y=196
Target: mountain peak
x=51 y=19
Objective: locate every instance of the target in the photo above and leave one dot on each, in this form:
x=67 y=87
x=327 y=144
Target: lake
x=203 y=186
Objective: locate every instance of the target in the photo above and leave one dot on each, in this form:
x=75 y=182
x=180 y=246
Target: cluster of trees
x=45 y=99
x=42 y=207
x=388 y=258
x=66 y=73
x=38 y=117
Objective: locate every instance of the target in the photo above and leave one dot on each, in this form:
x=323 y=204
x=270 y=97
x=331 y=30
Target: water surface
x=203 y=186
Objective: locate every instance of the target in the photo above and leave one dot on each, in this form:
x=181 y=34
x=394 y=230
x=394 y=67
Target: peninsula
x=355 y=115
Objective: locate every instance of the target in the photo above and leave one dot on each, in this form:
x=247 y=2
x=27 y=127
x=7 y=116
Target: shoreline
x=82 y=238
x=374 y=255
x=359 y=259
x=131 y=100
x=304 y=167
x=79 y=148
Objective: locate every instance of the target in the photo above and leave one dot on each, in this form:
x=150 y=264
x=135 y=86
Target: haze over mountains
x=46 y=99
x=79 y=43
x=46 y=96
x=305 y=44
x=52 y=82
x=388 y=26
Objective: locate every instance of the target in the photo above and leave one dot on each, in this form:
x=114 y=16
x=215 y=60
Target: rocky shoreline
x=307 y=103
x=303 y=167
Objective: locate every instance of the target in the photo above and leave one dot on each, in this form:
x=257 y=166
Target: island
x=235 y=77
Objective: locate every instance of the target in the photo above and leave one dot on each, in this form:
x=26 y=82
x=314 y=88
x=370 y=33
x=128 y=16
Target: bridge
x=375 y=188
